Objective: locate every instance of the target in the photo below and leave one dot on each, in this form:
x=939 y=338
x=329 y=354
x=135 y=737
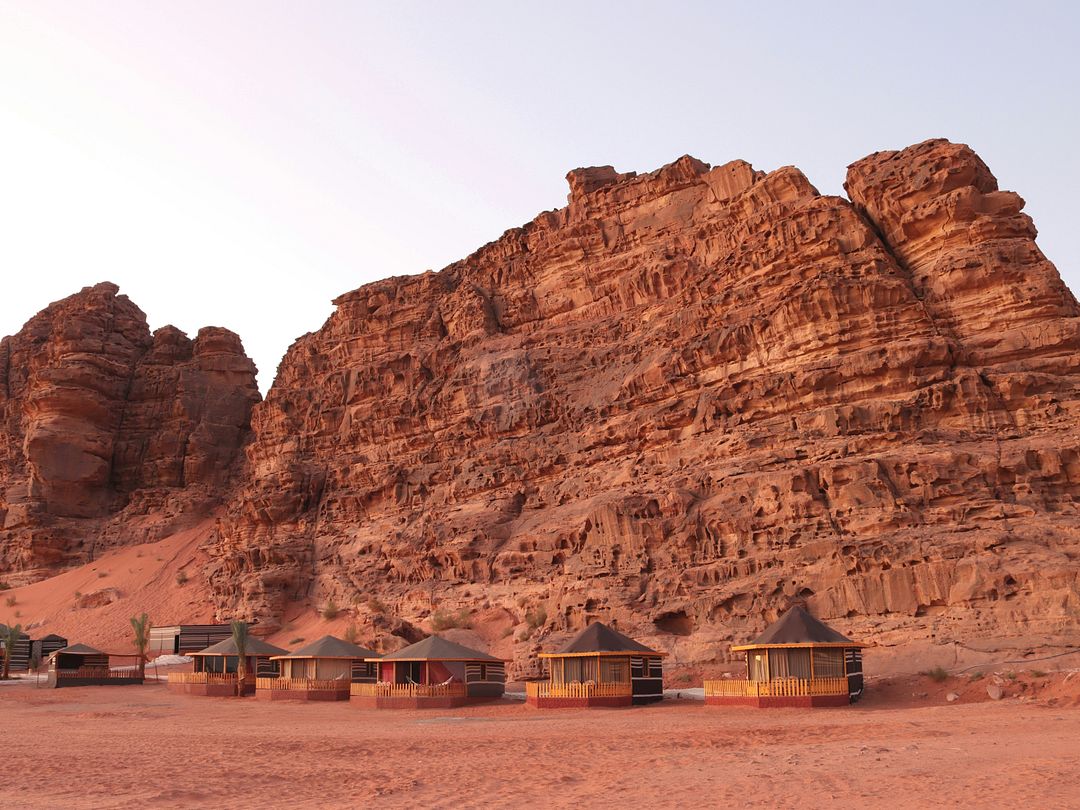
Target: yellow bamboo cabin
x=798 y=661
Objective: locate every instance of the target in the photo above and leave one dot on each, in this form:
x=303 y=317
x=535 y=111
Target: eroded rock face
x=104 y=422
x=682 y=402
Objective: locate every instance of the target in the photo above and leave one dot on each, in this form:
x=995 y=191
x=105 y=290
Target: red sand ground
x=112 y=747
x=904 y=745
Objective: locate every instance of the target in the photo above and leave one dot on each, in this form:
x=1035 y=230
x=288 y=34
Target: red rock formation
x=104 y=422
x=681 y=402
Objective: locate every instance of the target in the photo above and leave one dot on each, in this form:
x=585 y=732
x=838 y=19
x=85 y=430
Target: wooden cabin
x=435 y=673
x=797 y=661
x=214 y=669
x=185 y=639
x=80 y=665
x=599 y=667
x=323 y=670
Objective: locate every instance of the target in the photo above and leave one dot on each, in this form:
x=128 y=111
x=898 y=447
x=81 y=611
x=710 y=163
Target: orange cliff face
x=680 y=403
x=111 y=434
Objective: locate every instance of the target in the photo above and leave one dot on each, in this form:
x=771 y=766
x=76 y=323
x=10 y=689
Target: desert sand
x=905 y=745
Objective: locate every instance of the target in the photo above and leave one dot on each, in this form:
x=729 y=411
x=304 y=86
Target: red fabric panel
x=437 y=672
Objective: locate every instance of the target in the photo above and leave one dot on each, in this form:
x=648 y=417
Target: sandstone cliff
x=681 y=402
x=111 y=434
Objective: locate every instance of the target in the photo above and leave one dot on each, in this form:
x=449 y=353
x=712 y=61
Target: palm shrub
x=140 y=625
x=240 y=640
x=10 y=636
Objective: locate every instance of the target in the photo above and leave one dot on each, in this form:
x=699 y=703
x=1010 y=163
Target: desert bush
x=10 y=601
x=938 y=674
x=536 y=618
x=181 y=577
x=377 y=606
x=4 y=586
x=10 y=637
x=1011 y=676
x=140 y=628
x=1038 y=673
x=444 y=619
x=102 y=574
x=352 y=633
x=296 y=640
x=976 y=676
x=331 y=611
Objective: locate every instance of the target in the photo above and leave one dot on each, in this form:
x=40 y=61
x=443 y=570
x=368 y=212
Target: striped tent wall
x=487 y=672
x=646 y=678
x=184 y=639
x=20 y=654
x=853 y=664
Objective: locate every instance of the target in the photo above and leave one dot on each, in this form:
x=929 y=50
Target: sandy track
x=109 y=747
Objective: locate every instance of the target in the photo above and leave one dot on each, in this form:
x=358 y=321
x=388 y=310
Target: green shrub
x=976 y=676
x=444 y=620
x=938 y=674
x=1011 y=676
x=536 y=618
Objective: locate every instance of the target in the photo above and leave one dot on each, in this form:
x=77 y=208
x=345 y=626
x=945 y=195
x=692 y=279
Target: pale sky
x=240 y=164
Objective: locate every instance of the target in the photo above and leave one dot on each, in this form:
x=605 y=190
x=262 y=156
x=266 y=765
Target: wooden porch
x=576 y=690
x=201 y=678
x=786 y=687
x=409 y=690
x=302 y=685
x=99 y=673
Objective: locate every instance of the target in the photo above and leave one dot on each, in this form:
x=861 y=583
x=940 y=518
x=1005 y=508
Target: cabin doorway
x=407 y=672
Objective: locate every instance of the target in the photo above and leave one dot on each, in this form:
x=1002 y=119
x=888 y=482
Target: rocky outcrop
x=111 y=434
x=680 y=403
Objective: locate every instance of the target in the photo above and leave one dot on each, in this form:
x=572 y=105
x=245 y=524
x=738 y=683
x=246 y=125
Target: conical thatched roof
x=599 y=638
x=436 y=648
x=331 y=647
x=255 y=646
x=797 y=626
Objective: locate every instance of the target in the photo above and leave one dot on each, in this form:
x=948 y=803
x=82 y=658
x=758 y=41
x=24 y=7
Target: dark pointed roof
x=437 y=648
x=599 y=638
x=797 y=626
x=255 y=646
x=331 y=647
x=80 y=649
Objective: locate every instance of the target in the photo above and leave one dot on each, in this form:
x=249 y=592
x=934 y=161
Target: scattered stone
x=995 y=692
x=952 y=697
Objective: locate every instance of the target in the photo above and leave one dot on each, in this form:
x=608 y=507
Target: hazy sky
x=241 y=163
